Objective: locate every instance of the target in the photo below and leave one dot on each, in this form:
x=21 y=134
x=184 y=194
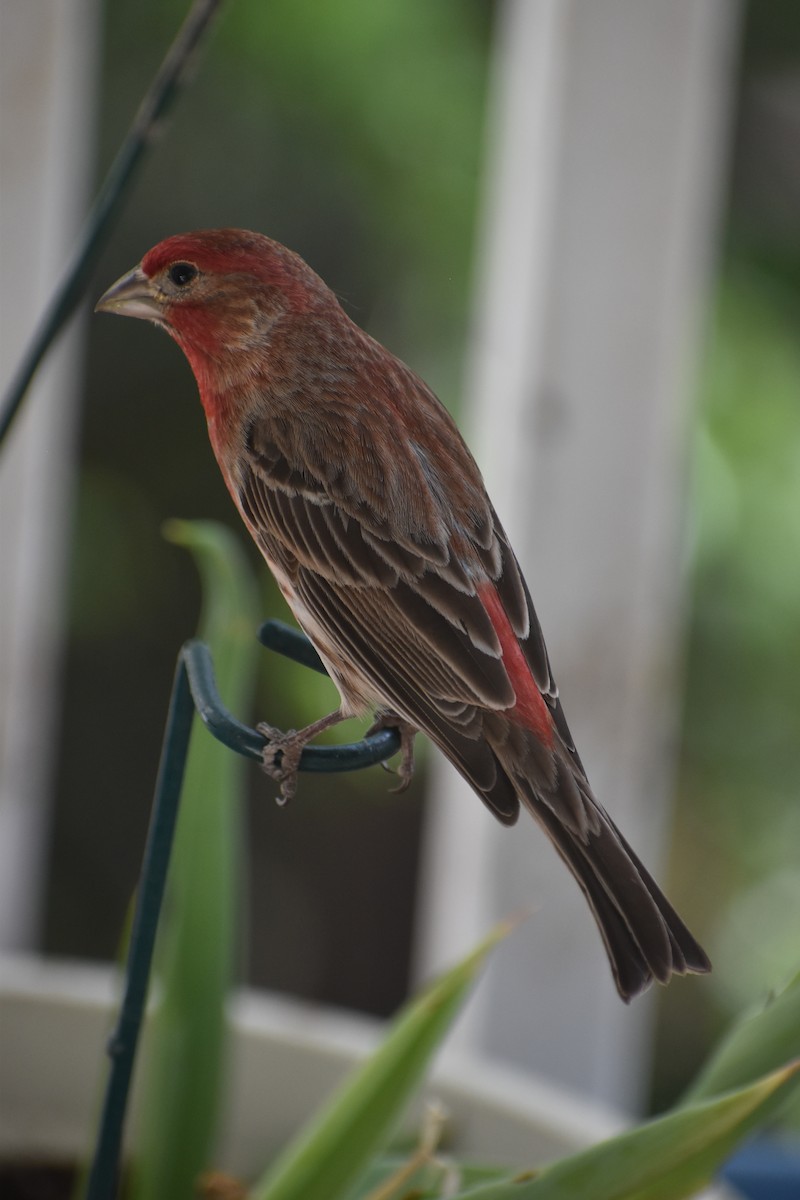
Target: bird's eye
x=182 y=273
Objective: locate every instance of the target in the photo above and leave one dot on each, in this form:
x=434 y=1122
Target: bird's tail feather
x=645 y=939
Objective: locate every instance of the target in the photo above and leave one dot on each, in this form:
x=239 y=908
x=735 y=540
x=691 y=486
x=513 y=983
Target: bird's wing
x=410 y=616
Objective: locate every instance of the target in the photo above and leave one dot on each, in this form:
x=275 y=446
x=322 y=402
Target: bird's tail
x=508 y=766
x=645 y=939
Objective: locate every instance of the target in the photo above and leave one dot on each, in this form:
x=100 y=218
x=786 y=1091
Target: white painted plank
x=47 y=64
x=606 y=144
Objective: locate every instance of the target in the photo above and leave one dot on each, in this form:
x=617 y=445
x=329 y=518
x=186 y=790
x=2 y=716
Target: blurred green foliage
x=200 y=932
x=735 y=860
x=742 y=717
x=738 y=820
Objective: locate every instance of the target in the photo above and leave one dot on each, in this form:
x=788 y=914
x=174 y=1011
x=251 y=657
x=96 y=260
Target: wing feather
x=410 y=678
x=445 y=628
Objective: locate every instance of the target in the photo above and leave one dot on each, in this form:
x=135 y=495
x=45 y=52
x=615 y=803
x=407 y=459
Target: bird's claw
x=290 y=744
x=407 y=732
x=280 y=758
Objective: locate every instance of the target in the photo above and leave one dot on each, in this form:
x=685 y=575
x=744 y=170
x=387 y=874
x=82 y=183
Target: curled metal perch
x=277 y=636
x=194 y=690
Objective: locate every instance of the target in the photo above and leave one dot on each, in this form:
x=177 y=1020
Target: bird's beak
x=132 y=296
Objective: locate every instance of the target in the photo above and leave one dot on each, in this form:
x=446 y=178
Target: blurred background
x=358 y=134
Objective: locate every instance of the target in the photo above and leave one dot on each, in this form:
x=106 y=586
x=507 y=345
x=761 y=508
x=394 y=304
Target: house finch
x=373 y=517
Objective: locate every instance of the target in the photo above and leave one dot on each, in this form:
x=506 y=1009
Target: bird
x=372 y=514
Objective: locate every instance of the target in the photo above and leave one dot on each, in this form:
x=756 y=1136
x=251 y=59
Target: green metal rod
x=104 y=1174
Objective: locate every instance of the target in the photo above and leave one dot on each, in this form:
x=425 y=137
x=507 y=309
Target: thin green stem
x=147 y=125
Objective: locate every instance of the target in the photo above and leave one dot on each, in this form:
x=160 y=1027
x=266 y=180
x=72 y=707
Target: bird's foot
x=281 y=755
x=407 y=734
x=280 y=758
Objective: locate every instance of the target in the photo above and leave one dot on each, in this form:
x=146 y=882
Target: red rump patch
x=530 y=711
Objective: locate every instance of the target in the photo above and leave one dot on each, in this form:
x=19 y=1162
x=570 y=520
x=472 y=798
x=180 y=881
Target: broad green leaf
x=761 y=1040
x=669 y=1158
x=332 y=1153
x=200 y=931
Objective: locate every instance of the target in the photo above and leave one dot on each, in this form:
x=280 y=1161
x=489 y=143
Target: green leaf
x=761 y=1040
x=200 y=930
x=330 y=1155
x=668 y=1158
